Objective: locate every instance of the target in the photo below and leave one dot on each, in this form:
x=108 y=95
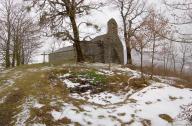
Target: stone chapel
x=105 y=48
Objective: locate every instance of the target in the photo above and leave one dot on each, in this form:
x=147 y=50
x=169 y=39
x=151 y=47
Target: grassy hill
x=89 y=94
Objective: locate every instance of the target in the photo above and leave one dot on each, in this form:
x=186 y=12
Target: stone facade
x=106 y=48
x=62 y=55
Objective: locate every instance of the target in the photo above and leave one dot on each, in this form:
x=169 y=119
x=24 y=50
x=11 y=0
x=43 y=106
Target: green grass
x=95 y=77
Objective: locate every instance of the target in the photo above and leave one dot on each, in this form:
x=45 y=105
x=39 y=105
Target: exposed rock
x=166 y=117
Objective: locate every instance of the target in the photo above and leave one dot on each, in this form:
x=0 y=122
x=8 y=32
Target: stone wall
x=62 y=57
x=93 y=51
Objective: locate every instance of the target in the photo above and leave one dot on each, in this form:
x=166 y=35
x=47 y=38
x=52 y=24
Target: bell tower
x=112 y=27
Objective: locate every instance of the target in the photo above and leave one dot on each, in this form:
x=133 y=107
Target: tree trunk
x=174 y=63
x=22 y=54
x=164 y=62
x=127 y=38
x=7 y=55
x=153 y=56
x=18 y=54
x=167 y=64
x=182 y=64
x=129 y=58
x=80 y=57
x=141 y=62
x=14 y=52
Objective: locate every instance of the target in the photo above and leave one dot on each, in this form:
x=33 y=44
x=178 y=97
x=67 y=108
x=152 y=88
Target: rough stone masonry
x=106 y=48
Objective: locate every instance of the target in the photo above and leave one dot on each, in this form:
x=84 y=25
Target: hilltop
x=90 y=94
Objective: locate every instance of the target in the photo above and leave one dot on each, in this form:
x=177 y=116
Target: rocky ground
x=91 y=94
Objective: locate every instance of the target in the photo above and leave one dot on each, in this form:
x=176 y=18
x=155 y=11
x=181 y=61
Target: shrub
x=186 y=113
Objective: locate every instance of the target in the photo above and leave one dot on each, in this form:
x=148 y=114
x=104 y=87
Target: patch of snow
x=2 y=100
x=65 y=75
x=169 y=80
x=6 y=71
x=90 y=115
x=158 y=95
x=38 y=124
x=103 y=98
x=128 y=71
x=106 y=72
x=148 y=103
x=70 y=84
x=17 y=74
x=46 y=68
x=9 y=82
x=6 y=84
x=38 y=105
x=25 y=113
x=32 y=70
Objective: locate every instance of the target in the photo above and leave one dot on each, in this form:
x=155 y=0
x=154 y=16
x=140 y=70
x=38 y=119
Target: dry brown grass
x=159 y=71
x=37 y=84
x=9 y=107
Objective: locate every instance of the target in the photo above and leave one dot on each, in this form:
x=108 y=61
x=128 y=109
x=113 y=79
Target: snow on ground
x=38 y=124
x=6 y=71
x=149 y=103
x=6 y=84
x=2 y=100
x=106 y=72
x=103 y=98
x=113 y=109
x=160 y=98
x=21 y=118
x=37 y=105
x=65 y=75
x=70 y=84
x=128 y=71
x=131 y=108
x=25 y=113
x=46 y=68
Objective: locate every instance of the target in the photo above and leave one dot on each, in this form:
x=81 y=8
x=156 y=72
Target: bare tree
x=181 y=12
x=174 y=55
x=165 y=54
x=5 y=28
x=29 y=35
x=141 y=42
x=184 y=50
x=182 y=6
x=56 y=44
x=186 y=114
x=158 y=27
x=20 y=37
x=131 y=11
x=169 y=53
x=61 y=17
